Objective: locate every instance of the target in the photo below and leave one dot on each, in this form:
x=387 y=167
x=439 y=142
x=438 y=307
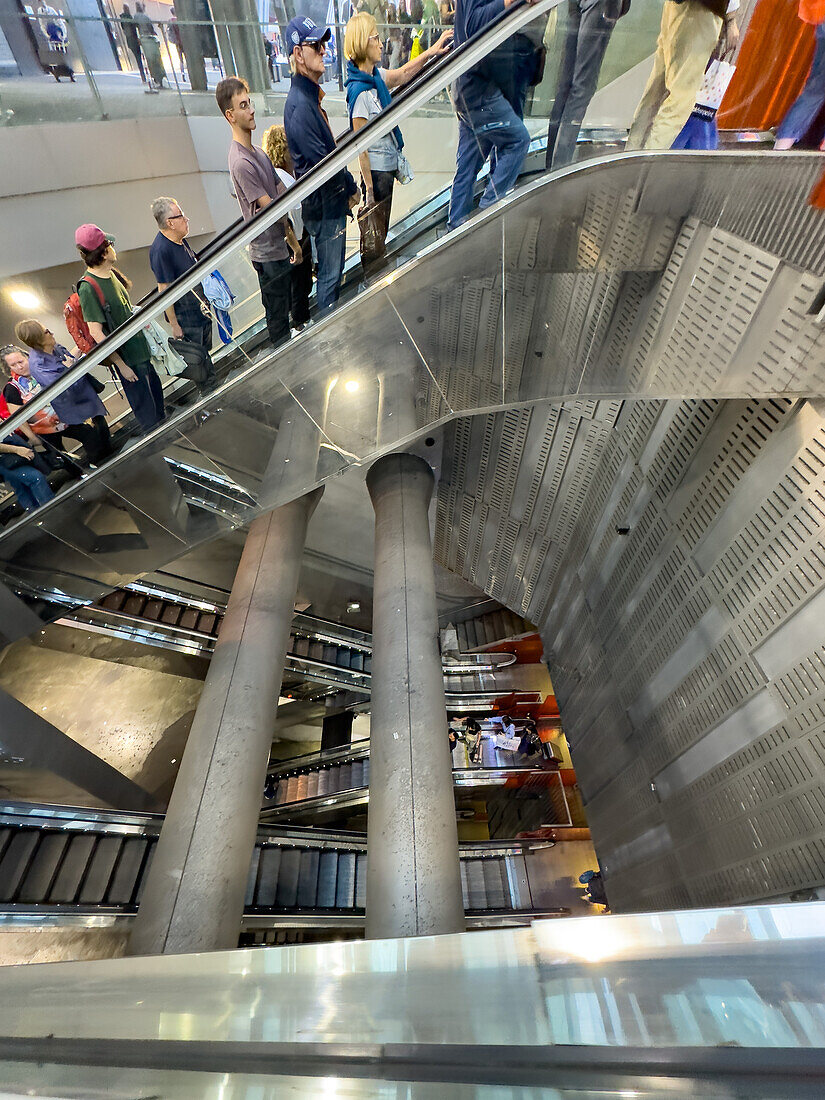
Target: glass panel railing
x=520 y=306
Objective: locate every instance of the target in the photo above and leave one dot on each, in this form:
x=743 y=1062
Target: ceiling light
x=351 y=386
x=25 y=299
x=353 y=606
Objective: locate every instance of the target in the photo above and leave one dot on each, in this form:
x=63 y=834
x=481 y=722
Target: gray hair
x=9 y=349
x=161 y=209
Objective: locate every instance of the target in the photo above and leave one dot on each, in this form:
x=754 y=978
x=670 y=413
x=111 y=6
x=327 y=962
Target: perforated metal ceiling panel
x=673 y=554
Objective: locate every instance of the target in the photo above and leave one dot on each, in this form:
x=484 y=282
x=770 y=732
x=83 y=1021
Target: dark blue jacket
x=310 y=139
x=472 y=16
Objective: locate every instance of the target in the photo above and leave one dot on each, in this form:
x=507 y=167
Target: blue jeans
x=28 y=485
x=329 y=235
x=587 y=34
x=486 y=123
x=810 y=100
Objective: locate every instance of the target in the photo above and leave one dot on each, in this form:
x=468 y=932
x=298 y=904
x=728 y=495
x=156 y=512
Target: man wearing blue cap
x=310 y=139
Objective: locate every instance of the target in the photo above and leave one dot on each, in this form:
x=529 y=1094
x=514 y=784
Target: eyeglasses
x=375 y=37
x=174 y=217
x=319 y=47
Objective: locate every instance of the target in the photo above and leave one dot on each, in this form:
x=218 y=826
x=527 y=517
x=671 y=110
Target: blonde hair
x=31 y=333
x=275 y=146
x=357 y=36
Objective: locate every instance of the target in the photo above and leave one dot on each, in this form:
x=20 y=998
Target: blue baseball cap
x=304 y=31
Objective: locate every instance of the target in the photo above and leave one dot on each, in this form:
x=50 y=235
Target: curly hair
x=275 y=146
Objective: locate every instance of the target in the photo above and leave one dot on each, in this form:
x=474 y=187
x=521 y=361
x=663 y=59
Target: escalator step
x=300 y=647
x=476 y=897
x=171 y=613
x=323 y=782
x=330 y=654
x=312 y=784
x=252 y=880
x=134 y=605
x=292 y=789
x=357 y=774
x=15 y=862
x=517 y=883
x=345 y=777
x=115 y=600
x=343 y=656
x=303 y=784
x=356 y=660
x=366 y=778
x=488 y=753
x=316 y=651
x=327 y=876
x=208 y=622
x=189 y=618
x=96 y=883
x=280 y=795
x=287 y=896
x=368 y=663
x=308 y=879
x=493 y=884
x=43 y=868
x=334 y=781
x=345 y=889
x=5 y=838
x=144 y=874
x=153 y=610
x=465 y=886
x=125 y=879
x=72 y=869
x=361 y=881
x=268 y=877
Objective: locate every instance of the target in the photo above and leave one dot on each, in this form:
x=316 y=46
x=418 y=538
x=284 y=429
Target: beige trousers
x=687 y=37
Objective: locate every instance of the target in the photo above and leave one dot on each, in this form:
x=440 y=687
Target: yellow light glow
x=351 y=386
x=25 y=299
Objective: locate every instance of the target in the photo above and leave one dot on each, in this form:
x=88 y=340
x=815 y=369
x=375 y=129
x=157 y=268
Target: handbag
x=372 y=243
x=404 y=172
x=194 y=356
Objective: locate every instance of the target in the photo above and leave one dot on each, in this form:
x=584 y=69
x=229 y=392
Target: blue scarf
x=358 y=81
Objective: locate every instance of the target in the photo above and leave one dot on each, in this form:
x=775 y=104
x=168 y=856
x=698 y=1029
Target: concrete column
x=195 y=891
x=413 y=877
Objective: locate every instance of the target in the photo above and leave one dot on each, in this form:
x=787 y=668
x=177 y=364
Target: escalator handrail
x=419 y=92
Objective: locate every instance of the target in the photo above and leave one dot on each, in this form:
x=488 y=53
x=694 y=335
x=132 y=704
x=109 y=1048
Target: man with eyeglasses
x=310 y=139
x=171 y=256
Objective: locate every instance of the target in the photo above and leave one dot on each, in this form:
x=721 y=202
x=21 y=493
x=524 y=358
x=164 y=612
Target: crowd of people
x=309 y=244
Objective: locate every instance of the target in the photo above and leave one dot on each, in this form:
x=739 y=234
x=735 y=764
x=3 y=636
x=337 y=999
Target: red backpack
x=73 y=316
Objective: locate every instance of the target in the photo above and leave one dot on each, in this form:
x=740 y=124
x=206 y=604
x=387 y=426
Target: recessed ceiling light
x=353 y=606
x=351 y=386
x=25 y=299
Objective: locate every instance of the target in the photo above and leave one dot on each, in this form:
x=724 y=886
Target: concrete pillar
x=195 y=890
x=413 y=876
x=241 y=41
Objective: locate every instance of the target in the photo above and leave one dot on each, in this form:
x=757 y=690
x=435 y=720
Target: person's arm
x=171 y=316
x=397 y=78
x=8 y=449
x=15 y=408
x=98 y=335
x=297 y=256
x=729 y=38
x=364 y=162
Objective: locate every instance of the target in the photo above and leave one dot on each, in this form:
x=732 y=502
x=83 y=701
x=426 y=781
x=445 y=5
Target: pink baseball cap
x=90 y=236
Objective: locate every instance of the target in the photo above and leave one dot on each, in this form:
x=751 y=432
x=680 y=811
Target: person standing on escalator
x=310 y=140
x=487 y=122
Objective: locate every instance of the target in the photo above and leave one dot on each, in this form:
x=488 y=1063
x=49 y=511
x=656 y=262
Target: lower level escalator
x=62 y=865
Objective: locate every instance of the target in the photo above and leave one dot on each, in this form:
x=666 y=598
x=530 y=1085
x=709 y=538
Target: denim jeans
x=329 y=235
x=145 y=396
x=28 y=485
x=486 y=122
x=587 y=34
x=274 y=278
x=802 y=114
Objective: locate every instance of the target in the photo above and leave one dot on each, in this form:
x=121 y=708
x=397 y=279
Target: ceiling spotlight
x=25 y=299
x=353 y=606
x=351 y=386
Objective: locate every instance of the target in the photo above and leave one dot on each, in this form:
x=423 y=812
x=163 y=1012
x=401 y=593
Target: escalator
x=63 y=866
x=610 y=280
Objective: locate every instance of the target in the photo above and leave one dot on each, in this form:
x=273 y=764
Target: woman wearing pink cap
x=104 y=298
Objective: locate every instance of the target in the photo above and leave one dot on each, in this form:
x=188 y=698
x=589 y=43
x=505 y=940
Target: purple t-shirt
x=252 y=176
